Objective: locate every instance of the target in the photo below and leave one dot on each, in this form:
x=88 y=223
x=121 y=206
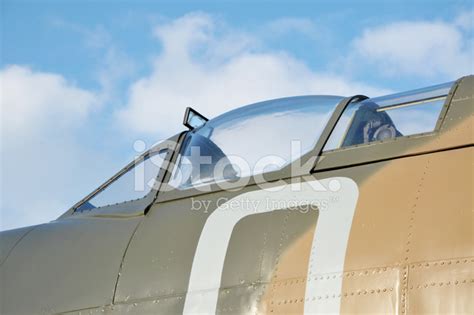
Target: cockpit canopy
x=267 y=136
x=253 y=139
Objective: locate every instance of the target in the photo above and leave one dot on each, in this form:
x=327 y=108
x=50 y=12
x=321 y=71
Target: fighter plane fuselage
x=374 y=215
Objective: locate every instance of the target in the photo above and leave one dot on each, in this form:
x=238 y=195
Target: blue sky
x=81 y=81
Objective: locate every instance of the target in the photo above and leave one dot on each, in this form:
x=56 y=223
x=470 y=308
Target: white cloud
x=42 y=162
x=421 y=49
x=32 y=100
x=186 y=73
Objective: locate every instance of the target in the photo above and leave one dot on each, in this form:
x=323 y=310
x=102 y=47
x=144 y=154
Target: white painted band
x=328 y=248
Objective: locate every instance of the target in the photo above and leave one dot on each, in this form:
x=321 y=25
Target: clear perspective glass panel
x=388 y=117
x=251 y=140
x=134 y=184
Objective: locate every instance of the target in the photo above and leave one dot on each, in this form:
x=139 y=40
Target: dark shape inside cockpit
x=370 y=124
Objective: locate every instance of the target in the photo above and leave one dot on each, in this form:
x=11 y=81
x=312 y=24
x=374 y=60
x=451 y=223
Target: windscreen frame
x=136 y=206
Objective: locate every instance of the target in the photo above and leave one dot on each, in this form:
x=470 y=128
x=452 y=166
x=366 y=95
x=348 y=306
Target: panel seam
x=410 y=231
x=16 y=243
x=403 y=156
x=123 y=260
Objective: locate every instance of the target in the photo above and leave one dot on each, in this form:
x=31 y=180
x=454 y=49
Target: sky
x=81 y=81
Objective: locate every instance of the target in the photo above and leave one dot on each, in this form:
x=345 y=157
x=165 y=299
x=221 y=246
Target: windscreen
x=134 y=183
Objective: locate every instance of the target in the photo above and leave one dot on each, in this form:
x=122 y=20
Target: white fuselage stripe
x=327 y=254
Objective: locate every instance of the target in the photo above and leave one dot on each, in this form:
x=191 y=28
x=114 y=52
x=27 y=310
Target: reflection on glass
x=252 y=140
x=135 y=183
x=389 y=117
